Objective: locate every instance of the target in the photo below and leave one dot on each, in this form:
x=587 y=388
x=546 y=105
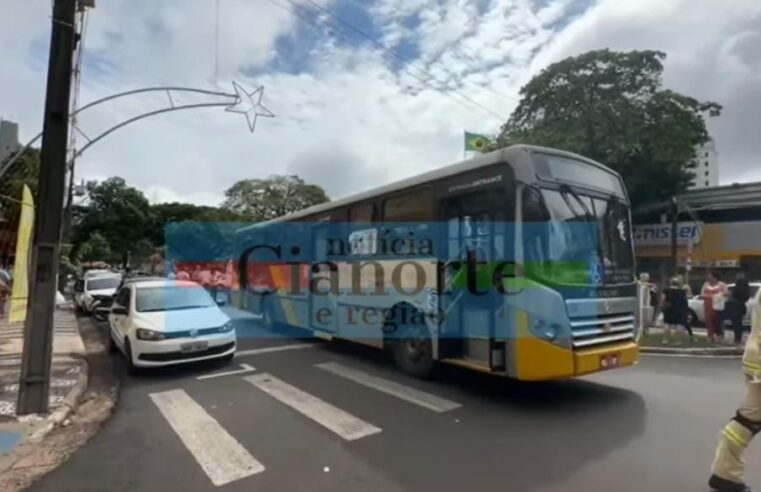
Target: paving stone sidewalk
x=67 y=373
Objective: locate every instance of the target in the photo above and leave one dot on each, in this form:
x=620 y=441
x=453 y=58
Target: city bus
x=518 y=263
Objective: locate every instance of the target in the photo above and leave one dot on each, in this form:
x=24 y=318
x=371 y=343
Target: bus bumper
x=603 y=358
x=537 y=360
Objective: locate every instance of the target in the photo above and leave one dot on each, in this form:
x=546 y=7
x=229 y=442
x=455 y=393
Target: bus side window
x=407 y=223
x=535 y=221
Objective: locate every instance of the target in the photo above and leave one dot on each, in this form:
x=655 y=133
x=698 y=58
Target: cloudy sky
x=380 y=95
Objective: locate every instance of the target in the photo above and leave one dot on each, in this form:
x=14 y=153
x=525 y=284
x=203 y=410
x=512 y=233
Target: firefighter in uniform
x=729 y=463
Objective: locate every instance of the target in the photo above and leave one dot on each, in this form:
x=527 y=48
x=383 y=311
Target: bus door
x=323 y=301
x=474 y=233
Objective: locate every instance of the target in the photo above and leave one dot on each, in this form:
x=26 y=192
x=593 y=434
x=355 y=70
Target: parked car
x=96 y=272
x=162 y=322
x=92 y=288
x=698 y=313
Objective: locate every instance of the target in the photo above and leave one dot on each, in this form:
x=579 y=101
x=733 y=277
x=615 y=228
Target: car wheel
x=100 y=314
x=692 y=318
x=413 y=351
x=131 y=367
x=227 y=359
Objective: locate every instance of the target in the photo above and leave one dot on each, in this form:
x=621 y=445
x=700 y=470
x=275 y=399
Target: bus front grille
x=603 y=329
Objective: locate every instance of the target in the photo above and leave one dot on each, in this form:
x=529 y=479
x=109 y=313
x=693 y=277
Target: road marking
x=342 y=423
x=222 y=458
x=406 y=393
x=279 y=348
x=244 y=369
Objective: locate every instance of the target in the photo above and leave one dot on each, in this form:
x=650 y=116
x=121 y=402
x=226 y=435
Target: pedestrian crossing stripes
x=406 y=393
x=220 y=456
x=340 y=422
x=224 y=460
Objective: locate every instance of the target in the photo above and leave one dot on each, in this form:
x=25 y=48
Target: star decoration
x=249 y=104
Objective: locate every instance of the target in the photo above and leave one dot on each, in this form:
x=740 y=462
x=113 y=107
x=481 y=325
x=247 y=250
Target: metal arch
x=168 y=89
x=140 y=117
x=152 y=89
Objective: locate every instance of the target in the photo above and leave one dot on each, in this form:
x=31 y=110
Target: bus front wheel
x=413 y=351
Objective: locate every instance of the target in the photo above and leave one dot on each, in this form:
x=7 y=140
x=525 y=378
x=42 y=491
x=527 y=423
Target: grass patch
x=680 y=340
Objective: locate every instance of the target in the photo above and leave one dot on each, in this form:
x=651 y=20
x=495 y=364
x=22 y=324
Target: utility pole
x=38 y=330
x=674 y=228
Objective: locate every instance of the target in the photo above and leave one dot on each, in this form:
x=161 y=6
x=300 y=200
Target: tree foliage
x=118 y=212
x=264 y=199
x=611 y=107
x=121 y=216
x=96 y=248
x=166 y=213
x=26 y=170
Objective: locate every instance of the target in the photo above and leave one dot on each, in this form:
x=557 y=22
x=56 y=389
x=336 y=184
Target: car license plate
x=193 y=347
x=609 y=361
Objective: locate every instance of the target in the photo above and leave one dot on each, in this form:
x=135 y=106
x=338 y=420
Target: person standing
x=646 y=305
x=5 y=291
x=675 y=308
x=736 y=306
x=714 y=292
x=729 y=463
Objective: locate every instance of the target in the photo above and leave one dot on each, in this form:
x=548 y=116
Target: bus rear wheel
x=413 y=351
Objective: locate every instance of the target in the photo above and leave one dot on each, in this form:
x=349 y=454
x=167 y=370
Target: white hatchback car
x=163 y=322
x=94 y=286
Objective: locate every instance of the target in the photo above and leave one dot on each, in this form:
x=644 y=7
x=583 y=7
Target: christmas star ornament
x=250 y=105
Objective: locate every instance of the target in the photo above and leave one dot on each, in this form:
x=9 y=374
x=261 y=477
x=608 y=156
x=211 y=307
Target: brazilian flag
x=475 y=142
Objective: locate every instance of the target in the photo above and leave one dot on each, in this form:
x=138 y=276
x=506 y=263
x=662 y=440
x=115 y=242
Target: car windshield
x=103 y=283
x=171 y=298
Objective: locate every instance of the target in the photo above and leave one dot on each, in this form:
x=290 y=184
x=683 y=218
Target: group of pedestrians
x=720 y=304
x=216 y=281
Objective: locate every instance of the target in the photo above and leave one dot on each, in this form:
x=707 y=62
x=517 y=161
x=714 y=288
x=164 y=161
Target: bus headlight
x=545 y=331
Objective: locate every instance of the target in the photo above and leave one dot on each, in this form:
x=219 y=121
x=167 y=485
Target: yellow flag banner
x=20 y=292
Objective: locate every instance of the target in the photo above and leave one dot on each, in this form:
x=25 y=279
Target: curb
x=703 y=352
x=69 y=404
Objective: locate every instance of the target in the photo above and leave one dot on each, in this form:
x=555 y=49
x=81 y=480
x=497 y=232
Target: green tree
x=96 y=248
x=611 y=107
x=167 y=213
x=26 y=170
x=120 y=213
x=264 y=199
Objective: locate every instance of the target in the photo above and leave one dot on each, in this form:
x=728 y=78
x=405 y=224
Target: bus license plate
x=609 y=361
x=188 y=348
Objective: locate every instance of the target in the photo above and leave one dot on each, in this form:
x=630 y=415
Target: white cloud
x=350 y=122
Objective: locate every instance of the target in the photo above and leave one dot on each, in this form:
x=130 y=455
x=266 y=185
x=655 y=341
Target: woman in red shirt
x=714 y=292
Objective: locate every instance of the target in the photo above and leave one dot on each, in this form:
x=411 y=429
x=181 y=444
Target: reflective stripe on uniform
x=751 y=369
x=733 y=436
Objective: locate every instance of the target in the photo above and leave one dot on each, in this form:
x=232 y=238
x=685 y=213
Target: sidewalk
x=68 y=379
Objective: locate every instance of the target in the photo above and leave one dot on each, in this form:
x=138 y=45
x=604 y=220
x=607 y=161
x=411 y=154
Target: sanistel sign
x=660 y=234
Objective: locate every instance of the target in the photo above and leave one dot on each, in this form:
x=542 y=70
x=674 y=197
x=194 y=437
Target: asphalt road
x=357 y=424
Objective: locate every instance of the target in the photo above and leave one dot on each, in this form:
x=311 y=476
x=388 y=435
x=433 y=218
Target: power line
x=391 y=50
x=296 y=10
x=395 y=54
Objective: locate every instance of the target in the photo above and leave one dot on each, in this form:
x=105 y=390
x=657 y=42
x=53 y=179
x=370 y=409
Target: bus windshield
x=573 y=238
